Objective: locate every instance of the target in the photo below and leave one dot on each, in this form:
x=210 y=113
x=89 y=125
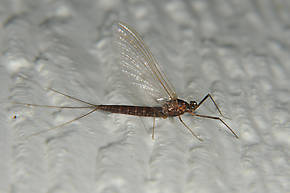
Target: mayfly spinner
x=138 y=63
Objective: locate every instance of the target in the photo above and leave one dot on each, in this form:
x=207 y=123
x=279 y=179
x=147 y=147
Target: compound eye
x=193 y=103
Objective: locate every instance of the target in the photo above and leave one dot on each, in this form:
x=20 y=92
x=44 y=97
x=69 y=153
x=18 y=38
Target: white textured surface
x=236 y=50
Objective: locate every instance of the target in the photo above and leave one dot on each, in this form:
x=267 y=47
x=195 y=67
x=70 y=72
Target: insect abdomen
x=133 y=110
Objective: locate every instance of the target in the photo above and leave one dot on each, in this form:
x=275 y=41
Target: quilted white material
x=236 y=50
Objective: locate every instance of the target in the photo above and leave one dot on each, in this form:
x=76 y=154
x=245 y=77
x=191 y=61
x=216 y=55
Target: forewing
x=138 y=63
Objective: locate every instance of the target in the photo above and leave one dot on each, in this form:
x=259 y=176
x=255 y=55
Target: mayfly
x=137 y=61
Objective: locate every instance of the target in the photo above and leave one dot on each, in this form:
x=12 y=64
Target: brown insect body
x=171 y=108
x=177 y=107
x=133 y=110
x=139 y=64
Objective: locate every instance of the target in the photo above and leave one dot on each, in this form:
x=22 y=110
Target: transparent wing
x=140 y=66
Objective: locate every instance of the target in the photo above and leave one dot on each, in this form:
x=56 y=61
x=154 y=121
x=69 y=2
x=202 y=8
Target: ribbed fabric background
x=236 y=50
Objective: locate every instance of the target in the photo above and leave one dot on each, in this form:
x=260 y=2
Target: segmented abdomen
x=133 y=110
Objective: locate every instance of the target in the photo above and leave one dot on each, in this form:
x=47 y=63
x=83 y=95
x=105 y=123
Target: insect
x=137 y=61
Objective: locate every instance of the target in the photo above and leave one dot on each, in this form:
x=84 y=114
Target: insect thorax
x=174 y=107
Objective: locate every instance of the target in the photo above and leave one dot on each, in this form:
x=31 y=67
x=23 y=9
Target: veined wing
x=140 y=65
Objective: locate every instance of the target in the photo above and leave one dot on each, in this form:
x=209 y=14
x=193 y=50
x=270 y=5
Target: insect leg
x=211 y=98
x=153 y=128
x=189 y=129
x=217 y=118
